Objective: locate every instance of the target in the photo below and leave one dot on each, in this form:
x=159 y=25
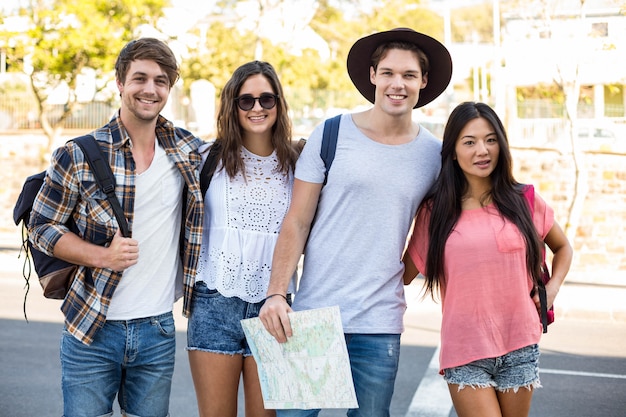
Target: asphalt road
x=583 y=362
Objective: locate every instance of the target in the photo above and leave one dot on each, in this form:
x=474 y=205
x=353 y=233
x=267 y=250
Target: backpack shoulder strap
x=208 y=169
x=104 y=176
x=329 y=142
x=298 y=145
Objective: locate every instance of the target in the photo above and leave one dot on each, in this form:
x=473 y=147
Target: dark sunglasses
x=266 y=100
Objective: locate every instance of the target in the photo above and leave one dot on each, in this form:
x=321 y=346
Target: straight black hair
x=444 y=199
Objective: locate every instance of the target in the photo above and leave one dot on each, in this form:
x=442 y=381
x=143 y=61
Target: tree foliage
x=219 y=51
x=311 y=80
x=473 y=23
x=402 y=13
x=65 y=38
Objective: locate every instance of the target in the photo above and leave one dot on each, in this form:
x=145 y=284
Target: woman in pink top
x=478 y=247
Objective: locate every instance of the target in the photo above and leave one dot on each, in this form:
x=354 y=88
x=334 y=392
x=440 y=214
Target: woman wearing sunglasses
x=247 y=198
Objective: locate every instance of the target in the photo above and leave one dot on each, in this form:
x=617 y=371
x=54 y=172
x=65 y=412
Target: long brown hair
x=229 y=131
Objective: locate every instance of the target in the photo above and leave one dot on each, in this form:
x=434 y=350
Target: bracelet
x=274 y=295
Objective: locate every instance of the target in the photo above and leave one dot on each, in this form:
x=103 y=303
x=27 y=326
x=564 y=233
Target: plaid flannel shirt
x=70 y=189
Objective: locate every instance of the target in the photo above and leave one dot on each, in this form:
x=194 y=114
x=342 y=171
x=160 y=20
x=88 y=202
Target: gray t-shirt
x=353 y=254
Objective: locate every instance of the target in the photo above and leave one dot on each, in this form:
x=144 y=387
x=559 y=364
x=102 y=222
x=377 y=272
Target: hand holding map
x=311 y=370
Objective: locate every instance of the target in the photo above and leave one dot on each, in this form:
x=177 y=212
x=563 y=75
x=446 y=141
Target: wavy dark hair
x=444 y=199
x=149 y=49
x=229 y=131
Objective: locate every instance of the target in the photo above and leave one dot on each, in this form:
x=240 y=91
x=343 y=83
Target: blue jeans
x=374 y=364
x=132 y=359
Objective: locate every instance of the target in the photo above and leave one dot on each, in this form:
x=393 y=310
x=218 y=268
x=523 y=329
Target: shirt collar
x=121 y=138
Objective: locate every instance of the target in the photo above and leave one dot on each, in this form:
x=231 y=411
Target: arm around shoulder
x=410 y=270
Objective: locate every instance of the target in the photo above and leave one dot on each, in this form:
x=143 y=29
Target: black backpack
x=56 y=275
x=327 y=152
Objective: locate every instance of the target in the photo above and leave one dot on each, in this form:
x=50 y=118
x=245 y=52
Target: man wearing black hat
x=357 y=224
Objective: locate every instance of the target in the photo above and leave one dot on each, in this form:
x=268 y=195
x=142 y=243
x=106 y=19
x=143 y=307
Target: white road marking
x=432 y=398
x=579 y=373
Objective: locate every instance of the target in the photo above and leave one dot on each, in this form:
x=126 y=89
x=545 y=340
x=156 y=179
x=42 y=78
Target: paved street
x=583 y=356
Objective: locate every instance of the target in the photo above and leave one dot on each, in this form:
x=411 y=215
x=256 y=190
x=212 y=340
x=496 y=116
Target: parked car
x=596 y=133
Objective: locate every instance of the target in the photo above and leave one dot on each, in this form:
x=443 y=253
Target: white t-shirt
x=148 y=288
x=242 y=219
x=353 y=255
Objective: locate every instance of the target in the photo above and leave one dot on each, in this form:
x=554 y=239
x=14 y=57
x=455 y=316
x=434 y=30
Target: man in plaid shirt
x=119 y=335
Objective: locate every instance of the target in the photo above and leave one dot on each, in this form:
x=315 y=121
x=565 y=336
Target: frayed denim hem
x=241 y=352
x=532 y=386
x=476 y=386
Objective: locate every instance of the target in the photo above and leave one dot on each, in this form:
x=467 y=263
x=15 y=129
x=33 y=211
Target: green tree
x=405 y=13
x=223 y=45
x=313 y=82
x=66 y=38
x=473 y=23
x=339 y=32
x=219 y=50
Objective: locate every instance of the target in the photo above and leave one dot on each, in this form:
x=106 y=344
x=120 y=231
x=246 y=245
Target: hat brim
x=439 y=75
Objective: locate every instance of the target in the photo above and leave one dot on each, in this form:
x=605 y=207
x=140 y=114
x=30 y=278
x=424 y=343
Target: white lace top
x=242 y=219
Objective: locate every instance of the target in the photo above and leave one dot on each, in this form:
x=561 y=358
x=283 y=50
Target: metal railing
x=21 y=113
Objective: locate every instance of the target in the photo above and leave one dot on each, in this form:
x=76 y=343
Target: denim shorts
x=374 y=364
x=133 y=359
x=214 y=325
x=514 y=370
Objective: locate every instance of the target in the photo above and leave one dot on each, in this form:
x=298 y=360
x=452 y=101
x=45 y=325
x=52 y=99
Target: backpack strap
x=329 y=142
x=104 y=177
x=208 y=169
x=529 y=195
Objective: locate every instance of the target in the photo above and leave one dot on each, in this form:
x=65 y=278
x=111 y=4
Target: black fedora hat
x=439 y=74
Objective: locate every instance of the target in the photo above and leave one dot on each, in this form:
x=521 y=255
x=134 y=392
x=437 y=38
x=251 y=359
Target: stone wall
x=600 y=242
x=19 y=158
